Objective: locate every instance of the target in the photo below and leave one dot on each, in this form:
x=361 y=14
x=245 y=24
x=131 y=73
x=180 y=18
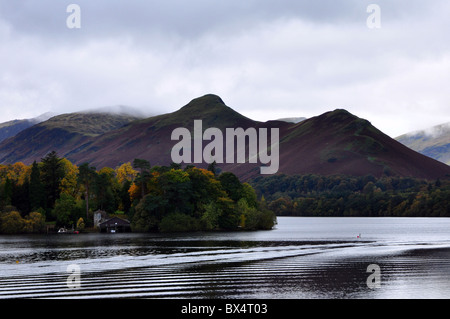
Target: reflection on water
x=302 y=258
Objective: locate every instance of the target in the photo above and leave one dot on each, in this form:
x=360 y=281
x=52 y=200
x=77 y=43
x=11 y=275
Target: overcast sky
x=267 y=59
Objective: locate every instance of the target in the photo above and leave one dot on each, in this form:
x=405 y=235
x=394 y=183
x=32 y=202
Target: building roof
x=115 y=220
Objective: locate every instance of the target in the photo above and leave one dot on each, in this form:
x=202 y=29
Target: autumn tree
x=125 y=173
x=69 y=184
x=34 y=223
x=11 y=223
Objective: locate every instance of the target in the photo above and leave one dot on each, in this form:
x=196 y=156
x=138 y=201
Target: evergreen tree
x=52 y=173
x=86 y=176
x=144 y=167
x=212 y=167
x=37 y=191
x=124 y=197
x=21 y=196
x=231 y=185
x=104 y=192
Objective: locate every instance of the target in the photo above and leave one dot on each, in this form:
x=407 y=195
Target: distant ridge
x=336 y=142
x=118 y=110
x=11 y=128
x=433 y=142
x=294 y=120
x=61 y=133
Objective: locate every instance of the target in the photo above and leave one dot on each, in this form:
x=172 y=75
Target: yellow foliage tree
x=125 y=172
x=69 y=183
x=17 y=172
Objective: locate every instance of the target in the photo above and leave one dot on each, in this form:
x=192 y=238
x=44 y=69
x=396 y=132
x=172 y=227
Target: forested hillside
x=315 y=195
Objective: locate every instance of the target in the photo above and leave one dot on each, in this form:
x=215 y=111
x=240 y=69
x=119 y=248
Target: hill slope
x=434 y=142
x=11 y=128
x=61 y=133
x=336 y=142
x=339 y=142
x=151 y=138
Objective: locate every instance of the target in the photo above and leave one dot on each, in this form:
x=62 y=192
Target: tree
x=7 y=192
x=210 y=217
x=231 y=185
x=69 y=183
x=178 y=222
x=52 y=173
x=249 y=194
x=37 y=190
x=21 y=196
x=11 y=223
x=176 y=188
x=134 y=192
x=86 y=177
x=103 y=188
x=229 y=217
x=80 y=224
x=149 y=213
x=124 y=197
x=125 y=173
x=203 y=188
x=144 y=167
x=212 y=167
x=18 y=172
x=35 y=222
x=65 y=210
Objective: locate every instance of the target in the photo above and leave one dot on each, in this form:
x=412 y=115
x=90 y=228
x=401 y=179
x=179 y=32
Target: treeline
x=159 y=198
x=314 y=195
x=188 y=199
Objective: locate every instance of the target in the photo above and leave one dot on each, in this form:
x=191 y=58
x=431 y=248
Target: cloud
x=266 y=59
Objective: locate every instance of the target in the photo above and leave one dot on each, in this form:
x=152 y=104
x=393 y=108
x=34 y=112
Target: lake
x=300 y=258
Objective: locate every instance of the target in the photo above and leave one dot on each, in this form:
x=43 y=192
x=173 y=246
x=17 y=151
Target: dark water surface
x=301 y=258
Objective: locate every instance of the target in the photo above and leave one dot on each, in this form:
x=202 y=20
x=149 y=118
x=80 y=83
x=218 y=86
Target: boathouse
x=115 y=225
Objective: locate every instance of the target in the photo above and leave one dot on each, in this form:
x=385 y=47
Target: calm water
x=301 y=258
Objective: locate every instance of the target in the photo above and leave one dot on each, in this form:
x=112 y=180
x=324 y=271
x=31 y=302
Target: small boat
x=64 y=230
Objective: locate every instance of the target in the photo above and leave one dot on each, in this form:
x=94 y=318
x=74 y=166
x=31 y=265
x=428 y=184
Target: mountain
x=11 y=128
x=336 y=142
x=340 y=142
x=433 y=142
x=151 y=138
x=61 y=133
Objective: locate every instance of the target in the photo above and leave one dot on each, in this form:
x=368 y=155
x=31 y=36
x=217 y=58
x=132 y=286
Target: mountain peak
x=339 y=114
x=213 y=111
x=205 y=101
x=338 y=118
